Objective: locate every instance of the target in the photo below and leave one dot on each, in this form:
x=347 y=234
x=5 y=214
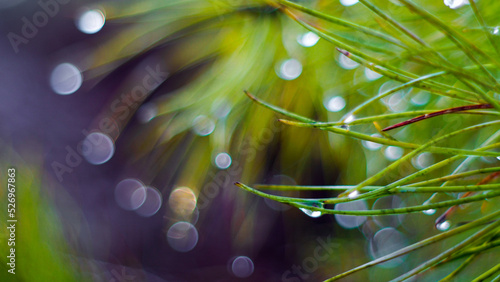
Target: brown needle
x=438 y=113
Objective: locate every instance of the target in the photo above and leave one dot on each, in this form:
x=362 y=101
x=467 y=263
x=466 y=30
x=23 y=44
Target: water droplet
x=429 y=212
x=203 y=126
x=335 y=104
x=98 y=148
x=182 y=236
x=130 y=194
x=310 y=212
x=372 y=146
x=443 y=226
x=182 y=201
x=290 y=69
x=393 y=153
x=66 y=79
x=495 y=30
x=455 y=4
x=372 y=75
x=350 y=221
x=345 y=126
x=91 y=21
x=348 y=2
x=349 y=119
x=353 y=195
x=347 y=63
x=308 y=39
x=223 y=160
x=152 y=203
x=242 y=267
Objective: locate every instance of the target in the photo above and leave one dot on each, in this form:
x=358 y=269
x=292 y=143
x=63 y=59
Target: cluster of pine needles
x=450 y=56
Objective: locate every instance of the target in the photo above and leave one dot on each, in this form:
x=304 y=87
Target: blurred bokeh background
x=128 y=125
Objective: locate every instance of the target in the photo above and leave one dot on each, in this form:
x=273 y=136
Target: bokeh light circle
x=223 y=160
x=393 y=153
x=151 y=204
x=203 y=125
x=182 y=236
x=66 y=79
x=99 y=148
x=335 y=104
x=350 y=221
x=130 y=194
x=346 y=63
x=242 y=267
x=91 y=21
x=182 y=201
x=348 y=2
x=308 y=39
x=290 y=69
x=386 y=241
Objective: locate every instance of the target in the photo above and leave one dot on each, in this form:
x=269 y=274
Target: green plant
x=423 y=56
x=37 y=248
x=439 y=67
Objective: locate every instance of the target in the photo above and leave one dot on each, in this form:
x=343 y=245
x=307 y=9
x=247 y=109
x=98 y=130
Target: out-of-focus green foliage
x=41 y=249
